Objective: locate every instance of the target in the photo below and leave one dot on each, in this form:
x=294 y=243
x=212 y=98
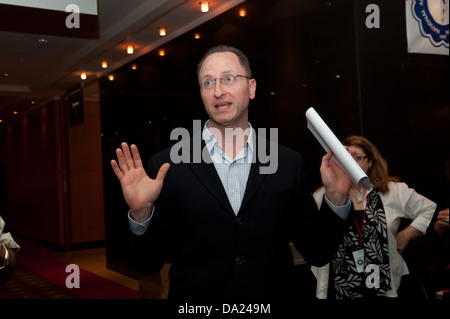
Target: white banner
x=427 y=26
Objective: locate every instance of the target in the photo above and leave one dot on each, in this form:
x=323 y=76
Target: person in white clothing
x=368 y=262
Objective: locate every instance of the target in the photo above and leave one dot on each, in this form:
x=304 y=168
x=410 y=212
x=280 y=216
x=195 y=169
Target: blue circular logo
x=432 y=16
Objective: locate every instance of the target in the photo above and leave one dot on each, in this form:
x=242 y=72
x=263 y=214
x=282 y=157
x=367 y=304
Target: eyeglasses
x=228 y=80
x=359 y=158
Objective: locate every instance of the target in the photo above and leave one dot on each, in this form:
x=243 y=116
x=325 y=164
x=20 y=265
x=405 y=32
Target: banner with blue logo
x=427 y=26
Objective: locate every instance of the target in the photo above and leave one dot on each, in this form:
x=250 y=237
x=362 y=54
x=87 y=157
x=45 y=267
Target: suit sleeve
x=316 y=232
x=148 y=250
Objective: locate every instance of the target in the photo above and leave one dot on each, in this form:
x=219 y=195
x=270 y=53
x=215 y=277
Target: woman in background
x=373 y=238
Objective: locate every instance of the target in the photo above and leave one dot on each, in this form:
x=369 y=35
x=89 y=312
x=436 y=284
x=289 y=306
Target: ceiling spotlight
x=162 y=31
x=197 y=35
x=111 y=77
x=242 y=12
x=130 y=49
x=83 y=76
x=204 y=6
x=104 y=64
x=162 y=52
x=134 y=66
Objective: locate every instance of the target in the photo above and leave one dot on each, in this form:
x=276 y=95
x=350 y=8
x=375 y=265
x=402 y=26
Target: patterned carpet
x=40 y=276
x=26 y=285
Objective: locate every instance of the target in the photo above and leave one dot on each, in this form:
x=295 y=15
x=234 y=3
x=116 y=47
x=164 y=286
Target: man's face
x=226 y=105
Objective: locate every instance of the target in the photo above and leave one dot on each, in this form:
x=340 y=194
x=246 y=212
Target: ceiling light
x=197 y=36
x=104 y=64
x=242 y=12
x=204 y=6
x=15 y=112
x=162 y=52
x=130 y=49
x=162 y=31
x=111 y=77
x=134 y=66
x=83 y=76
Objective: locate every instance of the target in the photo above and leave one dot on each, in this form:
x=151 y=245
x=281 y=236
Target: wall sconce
x=134 y=66
x=197 y=36
x=104 y=64
x=204 y=6
x=111 y=77
x=162 y=52
x=242 y=12
x=83 y=75
x=162 y=31
x=130 y=49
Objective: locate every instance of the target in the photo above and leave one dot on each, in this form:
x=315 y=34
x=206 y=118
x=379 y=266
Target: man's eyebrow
x=223 y=73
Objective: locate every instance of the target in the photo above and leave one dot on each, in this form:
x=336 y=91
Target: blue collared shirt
x=232 y=172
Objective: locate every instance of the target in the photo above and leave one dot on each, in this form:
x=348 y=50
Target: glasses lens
x=228 y=79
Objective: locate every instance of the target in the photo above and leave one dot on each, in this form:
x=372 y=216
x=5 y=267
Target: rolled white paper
x=341 y=156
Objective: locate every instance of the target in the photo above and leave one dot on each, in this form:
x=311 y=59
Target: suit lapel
x=255 y=178
x=207 y=174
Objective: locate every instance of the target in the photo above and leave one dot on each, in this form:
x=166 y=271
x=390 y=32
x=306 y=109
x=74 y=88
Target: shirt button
x=239 y=261
x=140 y=229
x=239 y=221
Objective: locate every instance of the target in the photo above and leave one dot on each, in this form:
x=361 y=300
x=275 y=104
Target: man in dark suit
x=223 y=222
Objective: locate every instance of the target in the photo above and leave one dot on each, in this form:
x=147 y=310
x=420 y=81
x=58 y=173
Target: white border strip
x=86 y=6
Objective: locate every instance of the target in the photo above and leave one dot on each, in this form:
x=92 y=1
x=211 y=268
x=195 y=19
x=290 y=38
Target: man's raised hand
x=139 y=190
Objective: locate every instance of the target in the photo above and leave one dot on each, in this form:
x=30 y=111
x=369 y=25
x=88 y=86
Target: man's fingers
x=162 y=172
x=116 y=169
x=136 y=157
x=121 y=160
x=127 y=155
x=326 y=159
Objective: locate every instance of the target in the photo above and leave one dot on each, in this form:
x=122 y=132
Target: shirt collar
x=210 y=140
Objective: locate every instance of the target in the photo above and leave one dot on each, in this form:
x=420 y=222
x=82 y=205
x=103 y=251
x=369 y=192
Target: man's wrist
x=337 y=199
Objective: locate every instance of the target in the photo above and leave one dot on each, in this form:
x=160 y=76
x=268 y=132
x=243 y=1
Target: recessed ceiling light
x=42 y=40
x=204 y=6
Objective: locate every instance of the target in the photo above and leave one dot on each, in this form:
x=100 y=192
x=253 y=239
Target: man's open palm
x=139 y=190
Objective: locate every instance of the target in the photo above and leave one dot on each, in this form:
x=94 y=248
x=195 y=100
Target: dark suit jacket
x=216 y=254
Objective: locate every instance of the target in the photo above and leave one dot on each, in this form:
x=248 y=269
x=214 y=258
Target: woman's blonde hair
x=378 y=172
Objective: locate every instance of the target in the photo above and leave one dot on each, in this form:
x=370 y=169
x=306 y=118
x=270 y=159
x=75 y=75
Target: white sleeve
x=139 y=228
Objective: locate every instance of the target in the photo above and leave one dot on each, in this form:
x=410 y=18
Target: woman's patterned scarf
x=348 y=282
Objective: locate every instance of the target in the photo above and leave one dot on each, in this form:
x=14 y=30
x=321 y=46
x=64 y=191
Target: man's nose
x=218 y=91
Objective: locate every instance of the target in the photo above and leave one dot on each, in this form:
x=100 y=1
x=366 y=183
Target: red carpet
x=91 y=285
